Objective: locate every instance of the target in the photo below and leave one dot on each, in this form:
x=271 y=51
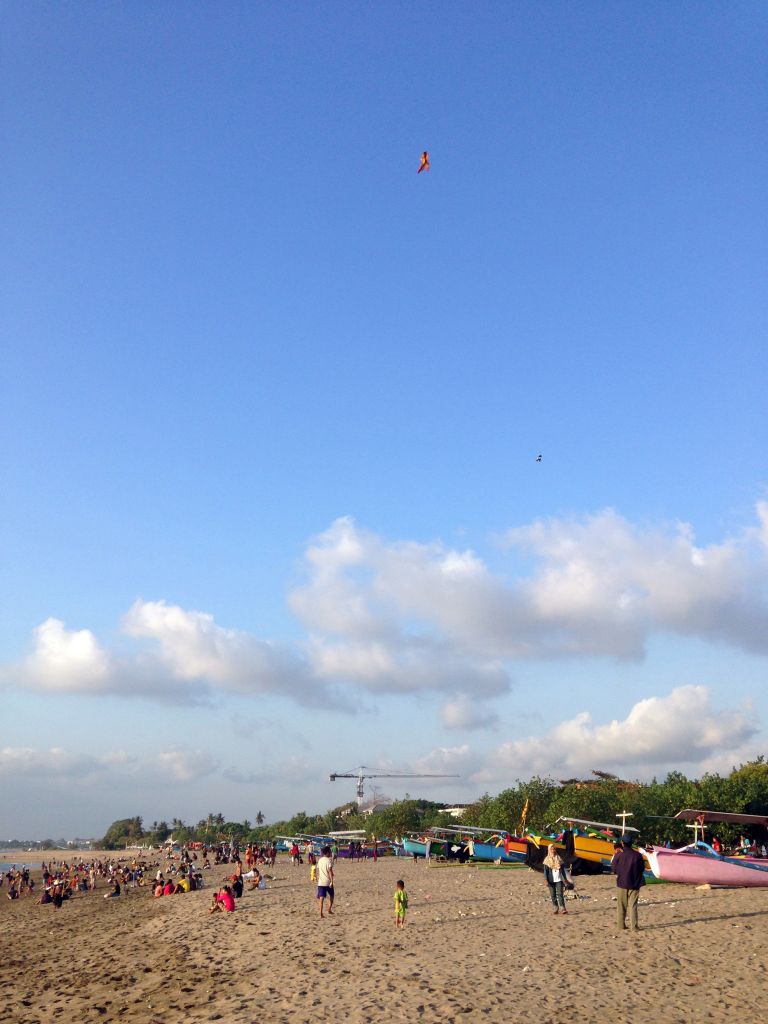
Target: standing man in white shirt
x=325 y=881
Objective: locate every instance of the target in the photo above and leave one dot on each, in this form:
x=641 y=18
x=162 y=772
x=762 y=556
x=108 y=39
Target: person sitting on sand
x=169 y=888
x=158 y=890
x=115 y=889
x=223 y=902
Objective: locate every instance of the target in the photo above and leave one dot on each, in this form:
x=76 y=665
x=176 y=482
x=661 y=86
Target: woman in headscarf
x=554 y=873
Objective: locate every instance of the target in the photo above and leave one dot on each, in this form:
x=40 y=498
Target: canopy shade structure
x=724 y=817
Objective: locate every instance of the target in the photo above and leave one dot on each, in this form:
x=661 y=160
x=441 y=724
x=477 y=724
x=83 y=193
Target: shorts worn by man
x=325 y=881
x=629 y=867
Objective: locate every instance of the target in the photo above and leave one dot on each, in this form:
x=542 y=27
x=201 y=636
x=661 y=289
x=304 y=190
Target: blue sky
x=271 y=401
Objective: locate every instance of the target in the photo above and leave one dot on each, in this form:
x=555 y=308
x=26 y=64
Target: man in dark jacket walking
x=628 y=866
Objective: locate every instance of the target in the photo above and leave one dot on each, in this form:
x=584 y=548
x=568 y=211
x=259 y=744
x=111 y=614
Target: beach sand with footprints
x=480 y=943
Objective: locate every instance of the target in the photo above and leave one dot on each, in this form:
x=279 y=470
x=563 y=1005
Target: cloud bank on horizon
x=684 y=727
x=389 y=618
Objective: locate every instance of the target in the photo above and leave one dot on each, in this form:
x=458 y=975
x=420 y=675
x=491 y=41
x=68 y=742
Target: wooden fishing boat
x=699 y=864
x=416 y=846
x=487 y=844
x=593 y=841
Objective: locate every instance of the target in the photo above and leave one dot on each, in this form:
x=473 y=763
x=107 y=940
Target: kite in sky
x=424 y=162
x=538 y=458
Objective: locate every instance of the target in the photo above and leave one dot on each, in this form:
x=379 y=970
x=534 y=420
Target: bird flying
x=538 y=458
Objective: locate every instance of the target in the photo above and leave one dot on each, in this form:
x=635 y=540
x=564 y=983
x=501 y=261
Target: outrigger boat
x=463 y=842
x=490 y=844
x=700 y=864
x=311 y=843
x=423 y=844
x=591 y=841
x=596 y=841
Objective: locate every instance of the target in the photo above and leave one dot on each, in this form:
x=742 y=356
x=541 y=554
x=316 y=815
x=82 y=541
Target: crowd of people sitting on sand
x=223 y=901
x=61 y=880
x=182 y=873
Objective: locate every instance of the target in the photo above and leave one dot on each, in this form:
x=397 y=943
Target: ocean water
x=6 y=865
x=31 y=861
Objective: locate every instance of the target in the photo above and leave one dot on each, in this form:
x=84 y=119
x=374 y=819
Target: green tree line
x=743 y=791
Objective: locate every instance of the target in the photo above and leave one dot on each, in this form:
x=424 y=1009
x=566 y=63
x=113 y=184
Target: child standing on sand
x=325 y=881
x=401 y=904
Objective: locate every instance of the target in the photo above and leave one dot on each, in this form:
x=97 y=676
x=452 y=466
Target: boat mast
x=624 y=815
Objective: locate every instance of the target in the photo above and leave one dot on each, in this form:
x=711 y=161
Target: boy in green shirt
x=401 y=904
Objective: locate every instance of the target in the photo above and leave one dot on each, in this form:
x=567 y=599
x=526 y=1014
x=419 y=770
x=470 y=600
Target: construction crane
x=364 y=772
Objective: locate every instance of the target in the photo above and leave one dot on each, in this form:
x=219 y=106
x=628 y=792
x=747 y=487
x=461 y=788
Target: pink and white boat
x=698 y=864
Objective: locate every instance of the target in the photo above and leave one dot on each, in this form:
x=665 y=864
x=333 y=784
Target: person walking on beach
x=325 y=881
x=554 y=875
x=401 y=904
x=629 y=868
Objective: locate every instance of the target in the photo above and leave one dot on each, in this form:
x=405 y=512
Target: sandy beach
x=478 y=942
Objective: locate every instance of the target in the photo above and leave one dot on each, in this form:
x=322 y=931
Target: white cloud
x=181 y=656
x=66 y=659
x=461 y=761
x=400 y=617
x=191 y=647
x=53 y=764
x=407 y=665
x=602 y=585
x=178 y=764
x=762 y=528
x=185 y=765
x=392 y=617
x=465 y=713
x=681 y=728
